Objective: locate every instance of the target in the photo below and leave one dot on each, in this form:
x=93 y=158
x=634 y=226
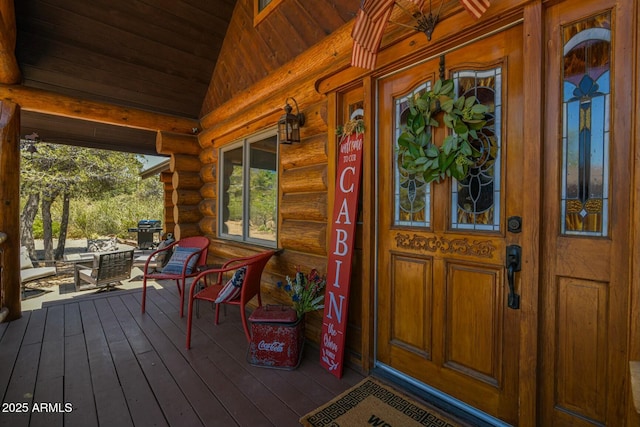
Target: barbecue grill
x=147 y=228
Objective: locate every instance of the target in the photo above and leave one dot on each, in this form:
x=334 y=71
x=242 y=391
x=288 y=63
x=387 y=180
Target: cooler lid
x=274 y=314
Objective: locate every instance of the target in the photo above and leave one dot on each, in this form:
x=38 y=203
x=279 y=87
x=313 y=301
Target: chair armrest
x=153 y=254
x=80 y=266
x=219 y=271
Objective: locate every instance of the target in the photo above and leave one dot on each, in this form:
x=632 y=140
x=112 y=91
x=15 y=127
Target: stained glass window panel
x=585 y=126
x=475 y=200
x=412 y=196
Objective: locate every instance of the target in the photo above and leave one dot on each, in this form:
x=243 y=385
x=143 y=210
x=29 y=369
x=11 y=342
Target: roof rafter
x=37 y=100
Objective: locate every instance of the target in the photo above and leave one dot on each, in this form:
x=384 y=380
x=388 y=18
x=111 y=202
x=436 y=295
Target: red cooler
x=277 y=337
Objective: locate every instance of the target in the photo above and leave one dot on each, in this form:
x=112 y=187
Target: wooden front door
x=442 y=283
x=586 y=228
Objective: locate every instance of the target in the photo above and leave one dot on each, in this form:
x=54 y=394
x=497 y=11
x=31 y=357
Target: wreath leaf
x=464 y=116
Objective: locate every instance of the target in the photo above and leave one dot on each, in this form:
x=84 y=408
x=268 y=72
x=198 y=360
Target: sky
x=150 y=161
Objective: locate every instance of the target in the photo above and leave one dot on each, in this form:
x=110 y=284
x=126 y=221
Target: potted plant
x=465 y=116
x=306 y=291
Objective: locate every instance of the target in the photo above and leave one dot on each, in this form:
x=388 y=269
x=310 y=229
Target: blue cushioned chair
x=188 y=254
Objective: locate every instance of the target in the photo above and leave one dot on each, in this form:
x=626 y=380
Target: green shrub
x=89 y=219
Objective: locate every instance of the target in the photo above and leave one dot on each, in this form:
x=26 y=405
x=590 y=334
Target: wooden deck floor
x=97 y=361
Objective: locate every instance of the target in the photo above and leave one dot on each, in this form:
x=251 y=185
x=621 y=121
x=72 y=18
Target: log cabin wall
x=182 y=192
x=248 y=96
x=168 y=224
x=288 y=30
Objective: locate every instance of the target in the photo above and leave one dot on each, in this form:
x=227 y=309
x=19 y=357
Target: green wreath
x=464 y=116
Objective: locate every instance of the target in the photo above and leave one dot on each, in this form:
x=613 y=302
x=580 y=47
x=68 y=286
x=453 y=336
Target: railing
x=4 y=311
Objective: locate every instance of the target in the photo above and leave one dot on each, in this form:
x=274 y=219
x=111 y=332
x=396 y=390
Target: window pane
x=232 y=211
x=262 y=4
x=585 y=130
x=263 y=189
x=412 y=200
x=476 y=199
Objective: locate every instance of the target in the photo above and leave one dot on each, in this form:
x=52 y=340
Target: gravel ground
x=65 y=269
x=61 y=286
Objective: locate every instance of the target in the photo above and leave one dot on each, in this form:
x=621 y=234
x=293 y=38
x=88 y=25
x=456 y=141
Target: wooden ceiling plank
x=9 y=69
x=59 y=55
x=178 y=105
x=133 y=17
x=71 y=28
x=41 y=101
x=82 y=133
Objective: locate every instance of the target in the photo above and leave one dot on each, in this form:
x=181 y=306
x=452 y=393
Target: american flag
x=371 y=19
x=367 y=31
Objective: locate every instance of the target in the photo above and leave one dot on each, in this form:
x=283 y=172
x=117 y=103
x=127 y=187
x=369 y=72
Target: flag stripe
x=476 y=7
x=376 y=8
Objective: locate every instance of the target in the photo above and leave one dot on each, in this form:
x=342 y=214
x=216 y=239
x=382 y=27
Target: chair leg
x=189 y=322
x=243 y=315
x=144 y=292
x=217 y=314
x=181 y=291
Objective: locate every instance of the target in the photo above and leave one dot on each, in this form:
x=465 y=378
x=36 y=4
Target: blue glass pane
x=585 y=126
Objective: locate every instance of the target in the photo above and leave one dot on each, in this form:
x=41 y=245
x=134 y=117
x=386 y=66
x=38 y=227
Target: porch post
x=10 y=208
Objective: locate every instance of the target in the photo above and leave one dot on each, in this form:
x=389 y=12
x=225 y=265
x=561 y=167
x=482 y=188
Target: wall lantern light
x=289 y=124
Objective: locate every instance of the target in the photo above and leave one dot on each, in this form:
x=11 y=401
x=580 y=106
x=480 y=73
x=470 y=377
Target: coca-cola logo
x=275 y=346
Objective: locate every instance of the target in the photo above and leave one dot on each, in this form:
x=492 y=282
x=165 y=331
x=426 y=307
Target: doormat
x=372 y=403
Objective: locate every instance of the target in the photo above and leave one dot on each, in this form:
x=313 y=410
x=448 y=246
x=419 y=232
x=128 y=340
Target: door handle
x=514 y=264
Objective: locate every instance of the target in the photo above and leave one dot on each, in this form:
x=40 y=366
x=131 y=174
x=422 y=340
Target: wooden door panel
x=411 y=303
x=442 y=304
x=474 y=321
x=582 y=340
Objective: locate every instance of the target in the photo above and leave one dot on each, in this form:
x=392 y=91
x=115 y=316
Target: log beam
x=9 y=69
x=180 y=231
x=186 y=180
x=10 y=208
x=177 y=143
x=208 y=207
x=184 y=214
x=184 y=163
x=186 y=197
x=45 y=102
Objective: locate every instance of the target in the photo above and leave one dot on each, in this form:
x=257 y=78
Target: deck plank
x=241 y=408
x=276 y=399
x=116 y=366
x=10 y=344
x=301 y=391
x=111 y=403
x=143 y=407
x=72 y=320
x=21 y=386
x=48 y=410
x=78 y=386
x=188 y=384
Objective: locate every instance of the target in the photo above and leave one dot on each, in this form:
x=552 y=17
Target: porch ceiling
x=156 y=57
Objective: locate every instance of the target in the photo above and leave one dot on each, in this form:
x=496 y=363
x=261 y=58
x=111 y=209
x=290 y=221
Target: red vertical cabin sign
x=343 y=230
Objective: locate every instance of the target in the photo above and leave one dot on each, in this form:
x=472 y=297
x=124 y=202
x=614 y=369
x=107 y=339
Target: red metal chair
x=249 y=288
x=200 y=243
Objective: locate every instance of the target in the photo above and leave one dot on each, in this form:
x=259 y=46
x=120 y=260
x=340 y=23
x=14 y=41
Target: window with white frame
x=248 y=188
